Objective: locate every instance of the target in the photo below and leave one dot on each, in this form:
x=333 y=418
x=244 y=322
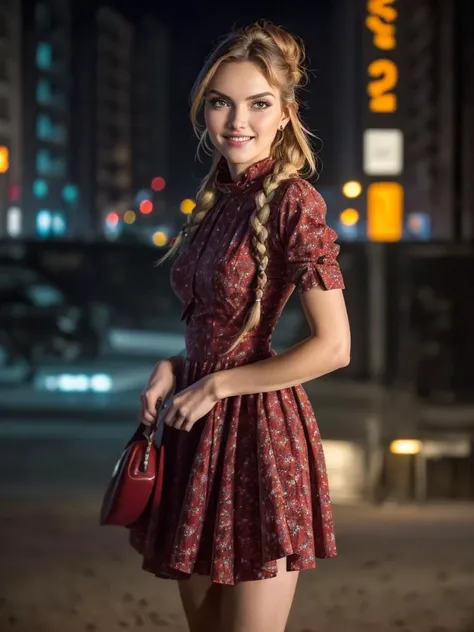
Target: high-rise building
x=439 y=122
x=103 y=57
x=10 y=118
x=150 y=99
x=403 y=72
x=50 y=197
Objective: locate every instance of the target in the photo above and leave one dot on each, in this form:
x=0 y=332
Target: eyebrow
x=251 y=98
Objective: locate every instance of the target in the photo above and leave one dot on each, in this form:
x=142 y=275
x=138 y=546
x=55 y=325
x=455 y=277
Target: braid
x=205 y=200
x=282 y=171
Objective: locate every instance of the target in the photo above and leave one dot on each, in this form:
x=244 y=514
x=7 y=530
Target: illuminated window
x=44 y=127
x=43 y=92
x=59 y=167
x=43 y=222
x=58 y=223
x=40 y=188
x=44 y=56
x=70 y=193
x=43 y=162
x=47 y=130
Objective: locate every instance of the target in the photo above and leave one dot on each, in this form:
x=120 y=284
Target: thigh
x=201 y=603
x=259 y=606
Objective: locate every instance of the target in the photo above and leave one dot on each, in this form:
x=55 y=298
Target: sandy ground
x=399 y=568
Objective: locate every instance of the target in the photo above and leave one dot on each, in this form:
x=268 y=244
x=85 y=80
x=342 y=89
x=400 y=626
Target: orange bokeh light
x=146 y=206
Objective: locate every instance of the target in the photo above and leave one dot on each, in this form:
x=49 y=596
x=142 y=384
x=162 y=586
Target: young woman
x=246 y=503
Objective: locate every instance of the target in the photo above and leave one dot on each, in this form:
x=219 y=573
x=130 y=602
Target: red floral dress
x=248 y=485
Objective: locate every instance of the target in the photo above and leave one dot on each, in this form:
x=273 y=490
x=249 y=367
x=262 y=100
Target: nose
x=238 y=118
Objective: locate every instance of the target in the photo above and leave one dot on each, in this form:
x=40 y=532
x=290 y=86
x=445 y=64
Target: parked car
x=38 y=323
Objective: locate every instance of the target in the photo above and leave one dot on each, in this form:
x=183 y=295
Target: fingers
x=178 y=422
x=177 y=419
x=150 y=408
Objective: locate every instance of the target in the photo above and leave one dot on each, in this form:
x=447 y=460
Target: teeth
x=239 y=138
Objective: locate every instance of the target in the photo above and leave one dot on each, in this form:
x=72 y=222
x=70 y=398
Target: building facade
x=102 y=104
x=50 y=196
x=150 y=99
x=403 y=70
x=10 y=118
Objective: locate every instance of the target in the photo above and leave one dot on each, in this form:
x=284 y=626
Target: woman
x=246 y=503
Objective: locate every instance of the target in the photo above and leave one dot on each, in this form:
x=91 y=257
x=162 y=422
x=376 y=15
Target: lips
x=238 y=141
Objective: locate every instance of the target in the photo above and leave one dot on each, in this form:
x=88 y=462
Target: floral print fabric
x=248 y=485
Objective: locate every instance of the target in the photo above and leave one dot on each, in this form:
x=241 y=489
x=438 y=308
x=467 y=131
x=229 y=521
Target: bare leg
x=201 y=603
x=259 y=606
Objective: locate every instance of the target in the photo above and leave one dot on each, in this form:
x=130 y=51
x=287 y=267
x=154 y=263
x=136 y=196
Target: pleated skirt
x=245 y=487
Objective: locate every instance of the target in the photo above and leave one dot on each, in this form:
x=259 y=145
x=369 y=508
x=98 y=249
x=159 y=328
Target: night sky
x=196 y=26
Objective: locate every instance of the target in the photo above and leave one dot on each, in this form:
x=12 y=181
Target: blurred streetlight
x=352 y=189
x=112 y=218
x=4 y=159
x=187 y=206
x=129 y=217
x=158 y=183
x=349 y=217
x=146 y=207
x=160 y=238
x=406 y=446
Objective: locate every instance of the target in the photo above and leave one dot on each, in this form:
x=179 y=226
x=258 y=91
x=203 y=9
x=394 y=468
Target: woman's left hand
x=189 y=405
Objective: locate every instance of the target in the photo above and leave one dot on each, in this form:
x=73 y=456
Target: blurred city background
x=98 y=173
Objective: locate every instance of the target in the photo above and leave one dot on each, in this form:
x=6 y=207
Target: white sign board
x=383 y=152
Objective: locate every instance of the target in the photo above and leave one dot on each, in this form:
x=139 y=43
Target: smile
x=238 y=140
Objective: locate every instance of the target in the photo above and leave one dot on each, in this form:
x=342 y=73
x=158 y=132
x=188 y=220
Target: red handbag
x=136 y=479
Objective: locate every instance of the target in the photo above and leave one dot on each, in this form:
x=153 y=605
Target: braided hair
x=258 y=220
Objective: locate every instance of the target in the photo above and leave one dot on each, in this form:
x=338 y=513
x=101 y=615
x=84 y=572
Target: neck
x=236 y=171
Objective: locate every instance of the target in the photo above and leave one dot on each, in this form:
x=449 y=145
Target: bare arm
x=327 y=349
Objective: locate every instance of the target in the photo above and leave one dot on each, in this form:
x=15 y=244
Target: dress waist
x=210 y=363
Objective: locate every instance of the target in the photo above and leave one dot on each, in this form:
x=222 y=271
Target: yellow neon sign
x=381 y=21
x=385 y=211
x=4 y=159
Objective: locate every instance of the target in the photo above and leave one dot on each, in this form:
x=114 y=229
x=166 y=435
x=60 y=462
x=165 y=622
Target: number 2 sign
x=383 y=72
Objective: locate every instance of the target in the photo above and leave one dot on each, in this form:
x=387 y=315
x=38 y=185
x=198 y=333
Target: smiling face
x=243 y=113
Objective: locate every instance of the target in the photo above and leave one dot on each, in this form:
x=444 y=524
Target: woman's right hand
x=160 y=387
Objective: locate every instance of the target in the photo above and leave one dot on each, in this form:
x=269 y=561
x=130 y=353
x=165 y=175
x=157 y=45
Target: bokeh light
x=158 y=183
x=352 y=189
x=112 y=219
x=40 y=188
x=4 y=159
x=160 y=238
x=146 y=206
x=349 y=217
x=406 y=446
x=14 y=192
x=187 y=206
x=129 y=217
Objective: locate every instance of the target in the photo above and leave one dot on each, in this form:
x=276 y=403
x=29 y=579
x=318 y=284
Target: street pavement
x=404 y=568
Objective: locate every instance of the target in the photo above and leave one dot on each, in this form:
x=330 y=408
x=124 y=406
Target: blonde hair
x=279 y=56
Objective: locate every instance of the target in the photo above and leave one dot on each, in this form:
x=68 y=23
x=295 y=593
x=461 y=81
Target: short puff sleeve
x=308 y=242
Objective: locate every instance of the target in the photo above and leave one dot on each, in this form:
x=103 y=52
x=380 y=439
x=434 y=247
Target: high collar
x=254 y=175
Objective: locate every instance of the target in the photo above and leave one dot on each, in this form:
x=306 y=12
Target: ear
x=283 y=122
